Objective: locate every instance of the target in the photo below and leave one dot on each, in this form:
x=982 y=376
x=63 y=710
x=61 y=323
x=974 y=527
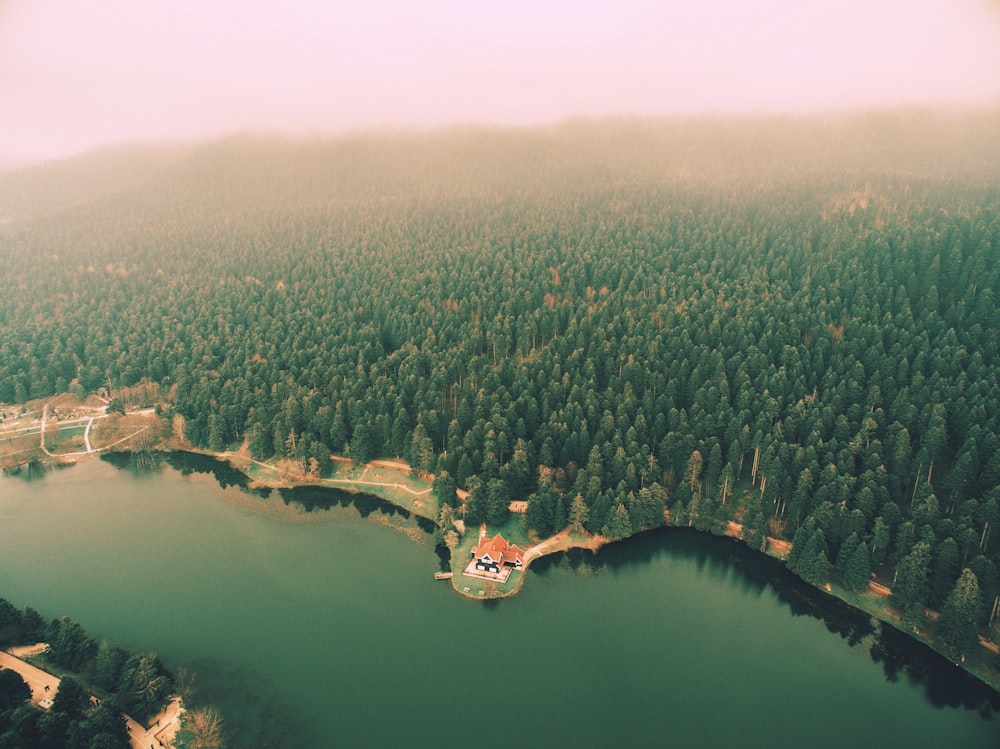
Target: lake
x=314 y=621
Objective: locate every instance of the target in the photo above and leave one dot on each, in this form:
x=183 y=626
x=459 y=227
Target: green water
x=324 y=628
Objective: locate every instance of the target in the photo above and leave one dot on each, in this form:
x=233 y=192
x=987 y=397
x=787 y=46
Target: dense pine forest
x=788 y=324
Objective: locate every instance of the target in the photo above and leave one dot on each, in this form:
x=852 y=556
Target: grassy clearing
x=394 y=485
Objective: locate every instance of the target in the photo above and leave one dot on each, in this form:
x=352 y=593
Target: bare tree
x=203 y=728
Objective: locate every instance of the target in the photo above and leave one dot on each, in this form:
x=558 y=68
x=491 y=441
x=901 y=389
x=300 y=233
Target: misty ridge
x=505 y=163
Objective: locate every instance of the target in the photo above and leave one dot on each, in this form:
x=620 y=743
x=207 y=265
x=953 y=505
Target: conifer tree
x=578 y=514
x=857 y=572
x=956 y=628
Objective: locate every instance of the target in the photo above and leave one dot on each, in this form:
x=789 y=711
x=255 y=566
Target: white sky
x=77 y=73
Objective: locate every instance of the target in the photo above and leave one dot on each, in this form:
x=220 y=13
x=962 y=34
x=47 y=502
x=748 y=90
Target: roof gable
x=497 y=549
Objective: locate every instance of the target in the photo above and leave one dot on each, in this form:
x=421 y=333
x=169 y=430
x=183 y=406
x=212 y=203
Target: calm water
x=321 y=628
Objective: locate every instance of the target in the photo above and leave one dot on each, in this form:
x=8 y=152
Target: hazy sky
x=75 y=73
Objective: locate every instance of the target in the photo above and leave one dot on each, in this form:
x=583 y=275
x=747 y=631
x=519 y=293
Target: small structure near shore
x=494 y=557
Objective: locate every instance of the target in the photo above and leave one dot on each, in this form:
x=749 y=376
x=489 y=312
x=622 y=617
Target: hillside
x=790 y=324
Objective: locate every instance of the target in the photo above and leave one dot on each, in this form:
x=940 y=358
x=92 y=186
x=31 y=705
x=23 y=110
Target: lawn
x=394 y=485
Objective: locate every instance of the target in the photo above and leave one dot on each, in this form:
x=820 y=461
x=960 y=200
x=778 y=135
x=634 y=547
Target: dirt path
x=391 y=464
x=377 y=483
x=41 y=432
x=349 y=482
x=86 y=435
x=564 y=540
x=45 y=685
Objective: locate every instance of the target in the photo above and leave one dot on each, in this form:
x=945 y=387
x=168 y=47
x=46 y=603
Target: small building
x=494 y=553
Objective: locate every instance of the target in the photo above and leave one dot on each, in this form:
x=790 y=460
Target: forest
x=790 y=324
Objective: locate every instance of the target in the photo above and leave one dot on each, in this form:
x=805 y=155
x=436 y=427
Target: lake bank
x=393 y=482
x=44 y=685
x=306 y=627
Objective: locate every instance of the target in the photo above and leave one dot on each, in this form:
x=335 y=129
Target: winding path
x=86 y=435
x=353 y=482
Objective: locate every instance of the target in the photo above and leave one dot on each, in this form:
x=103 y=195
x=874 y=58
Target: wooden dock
x=442 y=575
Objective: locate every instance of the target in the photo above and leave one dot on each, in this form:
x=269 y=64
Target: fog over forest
x=78 y=75
x=721 y=265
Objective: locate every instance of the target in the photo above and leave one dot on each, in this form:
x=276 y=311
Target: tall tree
x=911 y=587
x=619 y=525
x=857 y=572
x=578 y=514
x=956 y=628
x=497 y=502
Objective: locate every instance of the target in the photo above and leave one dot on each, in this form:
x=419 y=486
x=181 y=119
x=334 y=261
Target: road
x=43 y=684
x=44 y=687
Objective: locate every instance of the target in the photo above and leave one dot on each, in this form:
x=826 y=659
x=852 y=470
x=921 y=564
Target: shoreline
x=44 y=685
x=390 y=492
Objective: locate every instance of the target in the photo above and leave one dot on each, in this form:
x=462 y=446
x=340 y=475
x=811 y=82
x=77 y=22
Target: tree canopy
x=777 y=323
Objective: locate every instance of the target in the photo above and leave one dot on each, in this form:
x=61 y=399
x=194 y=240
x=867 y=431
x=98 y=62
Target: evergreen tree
x=71 y=648
x=476 y=505
x=813 y=564
x=944 y=570
x=107 y=724
x=445 y=489
x=538 y=516
x=956 y=628
x=14 y=690
x=578 y=515
x=753 y=535
x=108 y=665
x=70 y=698
x=362 y=448
x=145 y=684
x=857 y=572
x=497 y=502
x=619 y=525
x=846 y=551
x=799 y=540
x=421 y=452
x=559 y=516
x=880 y=540
x=910 y=590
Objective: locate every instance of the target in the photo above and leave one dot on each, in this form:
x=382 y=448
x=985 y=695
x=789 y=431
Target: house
x=493 y=554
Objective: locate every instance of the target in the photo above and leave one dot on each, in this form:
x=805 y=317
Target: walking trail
x=44 y=686
x=86 y=435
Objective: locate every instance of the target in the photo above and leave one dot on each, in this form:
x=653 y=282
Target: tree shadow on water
x=33 y=470
x=724 y=559
x=312 y=498
x=138 y=464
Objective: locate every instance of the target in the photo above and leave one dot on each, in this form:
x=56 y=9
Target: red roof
x=498 y=549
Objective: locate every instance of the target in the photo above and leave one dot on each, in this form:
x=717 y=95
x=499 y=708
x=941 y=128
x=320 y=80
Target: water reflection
x=151 y=463
x=324 y=498
x=309 y=498
x=944 y=684
x=33 y=470
x=251 y=719
x=138 y=464
x=718 y=558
